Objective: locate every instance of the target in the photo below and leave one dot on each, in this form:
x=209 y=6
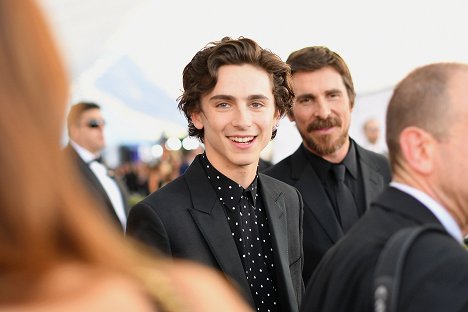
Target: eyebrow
x=231 y=98
x=305 y=96
x=333 y=91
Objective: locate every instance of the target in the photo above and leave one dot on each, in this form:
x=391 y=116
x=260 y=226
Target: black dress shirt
x=353 y=176
x=248 y=221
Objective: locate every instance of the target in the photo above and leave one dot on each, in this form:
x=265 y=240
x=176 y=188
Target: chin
x=245 y=161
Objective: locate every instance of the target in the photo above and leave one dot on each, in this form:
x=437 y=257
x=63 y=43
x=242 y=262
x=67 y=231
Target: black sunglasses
x=95 y=123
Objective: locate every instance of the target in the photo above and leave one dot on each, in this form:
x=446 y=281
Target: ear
x=197 y=119
x=291 y=115
x=418 y=149
x=72 y=131
x=276 y=117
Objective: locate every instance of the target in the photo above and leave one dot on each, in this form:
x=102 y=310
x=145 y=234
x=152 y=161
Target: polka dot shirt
x=248 y=221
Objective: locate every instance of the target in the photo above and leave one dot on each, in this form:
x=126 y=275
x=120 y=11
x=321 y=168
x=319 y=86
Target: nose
x=242 y=117
x=322 y=109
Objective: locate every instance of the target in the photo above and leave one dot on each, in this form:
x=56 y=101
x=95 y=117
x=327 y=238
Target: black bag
x=390 y=264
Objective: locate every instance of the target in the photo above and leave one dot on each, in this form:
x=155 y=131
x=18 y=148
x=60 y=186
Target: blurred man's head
x=372 y=130
x=86 y=126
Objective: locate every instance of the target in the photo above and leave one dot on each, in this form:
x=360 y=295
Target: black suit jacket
x=322 y=228
x=435 y=277
x=185 y=219
x=95 y=187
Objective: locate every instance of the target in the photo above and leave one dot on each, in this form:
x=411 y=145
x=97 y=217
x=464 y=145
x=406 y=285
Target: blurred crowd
x=142 y=178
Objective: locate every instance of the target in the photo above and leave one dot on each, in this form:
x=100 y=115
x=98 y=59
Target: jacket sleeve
x=144 y=224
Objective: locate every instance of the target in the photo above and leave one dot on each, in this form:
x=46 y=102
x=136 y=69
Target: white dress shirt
x=109 y=184
x=436 y=208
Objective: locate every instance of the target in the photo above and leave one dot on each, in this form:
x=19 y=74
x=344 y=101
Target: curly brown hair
x=201 y=74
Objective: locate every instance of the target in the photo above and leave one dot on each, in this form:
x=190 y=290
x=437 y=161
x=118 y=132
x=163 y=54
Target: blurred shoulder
x=205 y=289
x=74 y=287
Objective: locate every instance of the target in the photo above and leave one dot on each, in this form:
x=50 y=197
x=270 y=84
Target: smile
x=242 y=139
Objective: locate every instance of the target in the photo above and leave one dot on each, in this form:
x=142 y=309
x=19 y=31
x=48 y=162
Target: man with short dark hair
x=85 y=126
x=336 y=177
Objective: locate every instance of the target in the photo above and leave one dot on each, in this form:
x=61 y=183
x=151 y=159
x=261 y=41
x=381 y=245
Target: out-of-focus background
x=128 y=55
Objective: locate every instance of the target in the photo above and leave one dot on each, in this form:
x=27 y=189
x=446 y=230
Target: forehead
x=243 y=80
x=372 y=124
x=93 y=113
x=319 y=80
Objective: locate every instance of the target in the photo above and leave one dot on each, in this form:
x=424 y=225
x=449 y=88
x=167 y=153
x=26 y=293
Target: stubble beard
x=324 y=145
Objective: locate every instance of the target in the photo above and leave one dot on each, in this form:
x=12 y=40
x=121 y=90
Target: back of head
x=317 y=57
x=200 y=75
x=420 y=100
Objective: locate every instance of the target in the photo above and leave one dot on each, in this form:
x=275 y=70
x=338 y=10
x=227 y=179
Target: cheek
x=302 y=115
x=346 y=118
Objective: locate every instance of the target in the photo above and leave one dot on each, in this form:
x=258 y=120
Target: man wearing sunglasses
x=86 y=132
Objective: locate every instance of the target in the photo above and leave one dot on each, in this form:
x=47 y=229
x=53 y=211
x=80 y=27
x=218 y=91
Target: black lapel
x=314 y=195
x=208 y=214
x=276 y=212
x=372 y=178
x=91 y=178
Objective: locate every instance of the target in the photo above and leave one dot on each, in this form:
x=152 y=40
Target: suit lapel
x=372 y=179
x=313 y=193
x=95 y=186
x=276 y=212
x=208 y=214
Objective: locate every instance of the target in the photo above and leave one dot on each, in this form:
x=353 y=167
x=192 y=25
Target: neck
x=451 y=201
x=243 y=175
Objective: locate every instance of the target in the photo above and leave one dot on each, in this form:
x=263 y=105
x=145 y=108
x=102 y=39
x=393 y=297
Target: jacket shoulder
x=280 y=169
x=278 y=185
x=376 y=161
x=171 y=193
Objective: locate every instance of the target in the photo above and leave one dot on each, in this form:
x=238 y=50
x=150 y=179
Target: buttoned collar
x=322 y=166
x=228 y=191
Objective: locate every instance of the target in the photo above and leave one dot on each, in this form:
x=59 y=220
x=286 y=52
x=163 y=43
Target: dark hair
x=77 y=110
x=317 y=57
x=201 y=74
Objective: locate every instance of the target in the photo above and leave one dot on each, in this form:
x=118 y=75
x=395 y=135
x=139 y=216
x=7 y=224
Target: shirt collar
x=228 y=191
x=86 y=155
x=322 y=166
x=436 y=208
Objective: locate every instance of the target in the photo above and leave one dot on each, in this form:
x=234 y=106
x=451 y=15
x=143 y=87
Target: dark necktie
x=344 y=199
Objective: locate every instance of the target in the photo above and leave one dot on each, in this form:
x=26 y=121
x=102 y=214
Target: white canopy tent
x=129 y=54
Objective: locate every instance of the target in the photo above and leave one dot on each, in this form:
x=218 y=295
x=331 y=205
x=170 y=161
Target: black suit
x=322 y=227
x=96 y=188
x=435 y=277
x=186 y=219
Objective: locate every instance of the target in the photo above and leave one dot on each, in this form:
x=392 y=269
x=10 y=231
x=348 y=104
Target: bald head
x=421 y=100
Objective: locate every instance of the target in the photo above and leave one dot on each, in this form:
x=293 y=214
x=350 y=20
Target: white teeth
x=242 y=140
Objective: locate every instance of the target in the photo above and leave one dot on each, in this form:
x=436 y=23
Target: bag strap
x=390 y=264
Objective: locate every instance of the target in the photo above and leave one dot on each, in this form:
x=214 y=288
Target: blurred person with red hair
x=56 y=252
